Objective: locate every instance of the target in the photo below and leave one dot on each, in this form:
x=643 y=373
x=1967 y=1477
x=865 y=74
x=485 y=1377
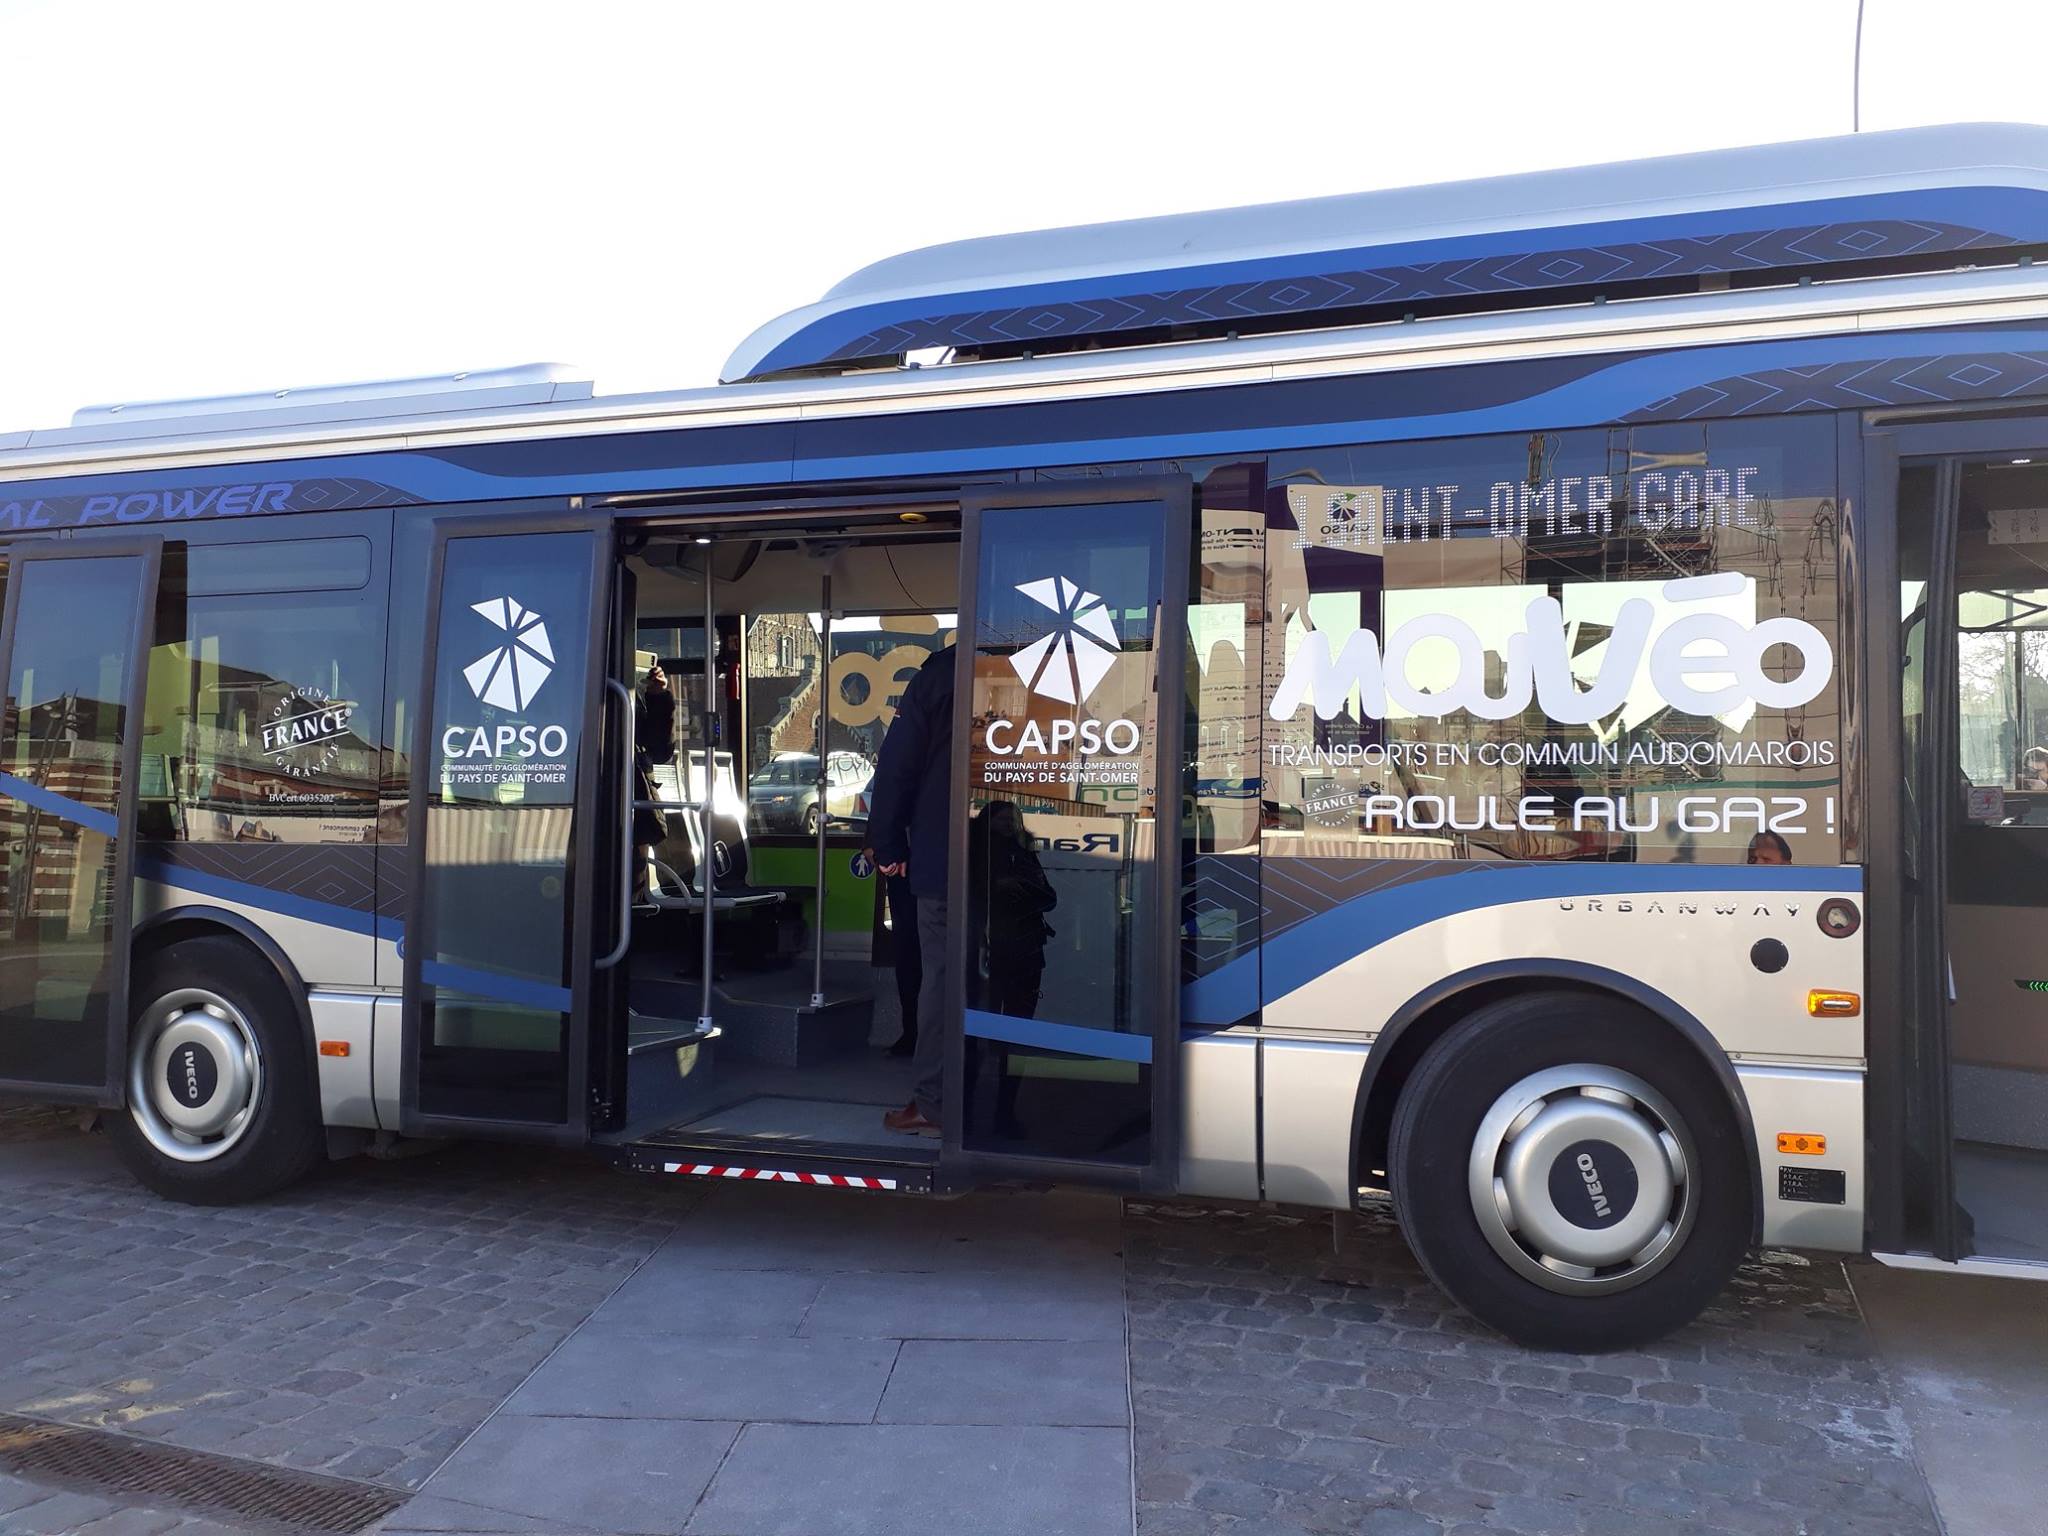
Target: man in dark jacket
x=654 y=744
x=909 y=813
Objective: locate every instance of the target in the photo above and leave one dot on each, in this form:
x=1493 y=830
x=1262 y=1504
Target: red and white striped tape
x=779 y=1175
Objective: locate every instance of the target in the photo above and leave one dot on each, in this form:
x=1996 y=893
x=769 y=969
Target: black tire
x=1438 y=1120
x=282 y=1140
x=811 y=818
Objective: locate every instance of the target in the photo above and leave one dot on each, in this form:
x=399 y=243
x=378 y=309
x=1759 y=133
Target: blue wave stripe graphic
x=496 y=985
x=1291 y=960
x=283 y=903
x=1598 y=398
x=1231 y=992
x=59 y=805
x=1225 y=995
x=491 y=984
x=1072 y=1038
x=1602 y=396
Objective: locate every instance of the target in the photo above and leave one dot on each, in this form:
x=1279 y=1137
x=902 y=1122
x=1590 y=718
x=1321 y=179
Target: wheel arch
x=1426 y=1017
x=161 y=930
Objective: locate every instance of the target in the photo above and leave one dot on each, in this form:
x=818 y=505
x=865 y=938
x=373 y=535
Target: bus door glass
x=1064 y=902
x=76 y=624
x=505 y=831
x=1980 y=725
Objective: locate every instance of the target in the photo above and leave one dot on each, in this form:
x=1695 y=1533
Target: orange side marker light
x=333 y=1047
x=1833 y=1005
x=1802 y=1144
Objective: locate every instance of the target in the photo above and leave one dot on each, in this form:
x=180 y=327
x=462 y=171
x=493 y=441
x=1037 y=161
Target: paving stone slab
x=638 y=1477
x=980 y=1381
x=779 y=1227
x=616 y=1373
x=428 y=1515
x=969 y=1305
x=668 y=1299
x=808 y=1479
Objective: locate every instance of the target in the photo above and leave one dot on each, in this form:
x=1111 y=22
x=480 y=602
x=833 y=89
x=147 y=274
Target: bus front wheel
x=220 y=1107
x=1567 y=1175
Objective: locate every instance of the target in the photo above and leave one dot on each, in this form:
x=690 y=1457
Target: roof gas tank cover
x=1865 y=204
x=470 y=390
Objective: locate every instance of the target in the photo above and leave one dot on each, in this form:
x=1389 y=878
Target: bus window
x=494 y=918
x=874 y=657
x=1577 y=645
x=1226 y=645
x=67 y=720
x=265 y=686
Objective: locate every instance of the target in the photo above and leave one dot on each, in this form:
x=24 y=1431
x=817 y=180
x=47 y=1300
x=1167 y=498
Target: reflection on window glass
x=874 y=657
x=1062 y=898
x=1226 y=638
x=264 y=693
x=1585 y=645
x=2002 y=642
x=505 y=747
x=66 y=722
x=280 y=565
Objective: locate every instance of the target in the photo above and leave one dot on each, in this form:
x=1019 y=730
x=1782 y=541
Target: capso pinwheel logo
x=509 y=675
x=1068 y=663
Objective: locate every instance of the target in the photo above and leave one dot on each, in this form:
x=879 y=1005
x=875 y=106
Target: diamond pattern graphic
x=1067 y=664
x=1806 y=245
x=1858 y=385
x=337 y=874
x=509 y=675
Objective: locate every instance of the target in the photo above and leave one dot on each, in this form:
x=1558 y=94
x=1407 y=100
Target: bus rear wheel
x=219 y=1104
x=1567 y=1176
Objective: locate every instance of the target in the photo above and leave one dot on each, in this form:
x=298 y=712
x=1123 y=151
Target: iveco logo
x=192 y=1094
x=1068 y=663
x=509 y=675
x=1591 y=1175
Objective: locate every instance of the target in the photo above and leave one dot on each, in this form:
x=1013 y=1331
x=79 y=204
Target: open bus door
x=1064 y=892
x=514 y=837
x=76 y=632
x=1960 y=1072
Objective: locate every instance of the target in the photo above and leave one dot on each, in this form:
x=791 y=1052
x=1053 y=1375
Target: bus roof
x=1995 y=176
x=1865 y=203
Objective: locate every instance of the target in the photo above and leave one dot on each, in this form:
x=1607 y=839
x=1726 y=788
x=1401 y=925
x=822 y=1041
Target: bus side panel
x=1809 y=1106
x=1695 y=936
x=1219 y=1137
x=261 y=753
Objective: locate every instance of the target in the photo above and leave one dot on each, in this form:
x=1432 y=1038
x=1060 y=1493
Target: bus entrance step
x=775 y=1168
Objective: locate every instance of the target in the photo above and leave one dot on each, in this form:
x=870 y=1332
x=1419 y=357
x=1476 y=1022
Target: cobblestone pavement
x=367 y=1323
x=1282 y=1387
x=362 y=1325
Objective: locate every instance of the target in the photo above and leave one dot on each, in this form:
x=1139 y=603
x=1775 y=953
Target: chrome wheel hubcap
x=195 y=1075
x=1581 y=1178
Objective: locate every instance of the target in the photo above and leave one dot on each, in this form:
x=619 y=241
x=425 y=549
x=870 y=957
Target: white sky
x=200 y=198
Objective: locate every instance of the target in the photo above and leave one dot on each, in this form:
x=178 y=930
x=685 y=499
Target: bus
x=1525 y=698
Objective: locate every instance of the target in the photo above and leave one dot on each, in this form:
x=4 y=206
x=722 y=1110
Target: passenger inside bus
x=910 y=818
x=752 y=829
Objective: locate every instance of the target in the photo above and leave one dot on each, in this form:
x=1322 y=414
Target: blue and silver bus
x=1526 y=698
